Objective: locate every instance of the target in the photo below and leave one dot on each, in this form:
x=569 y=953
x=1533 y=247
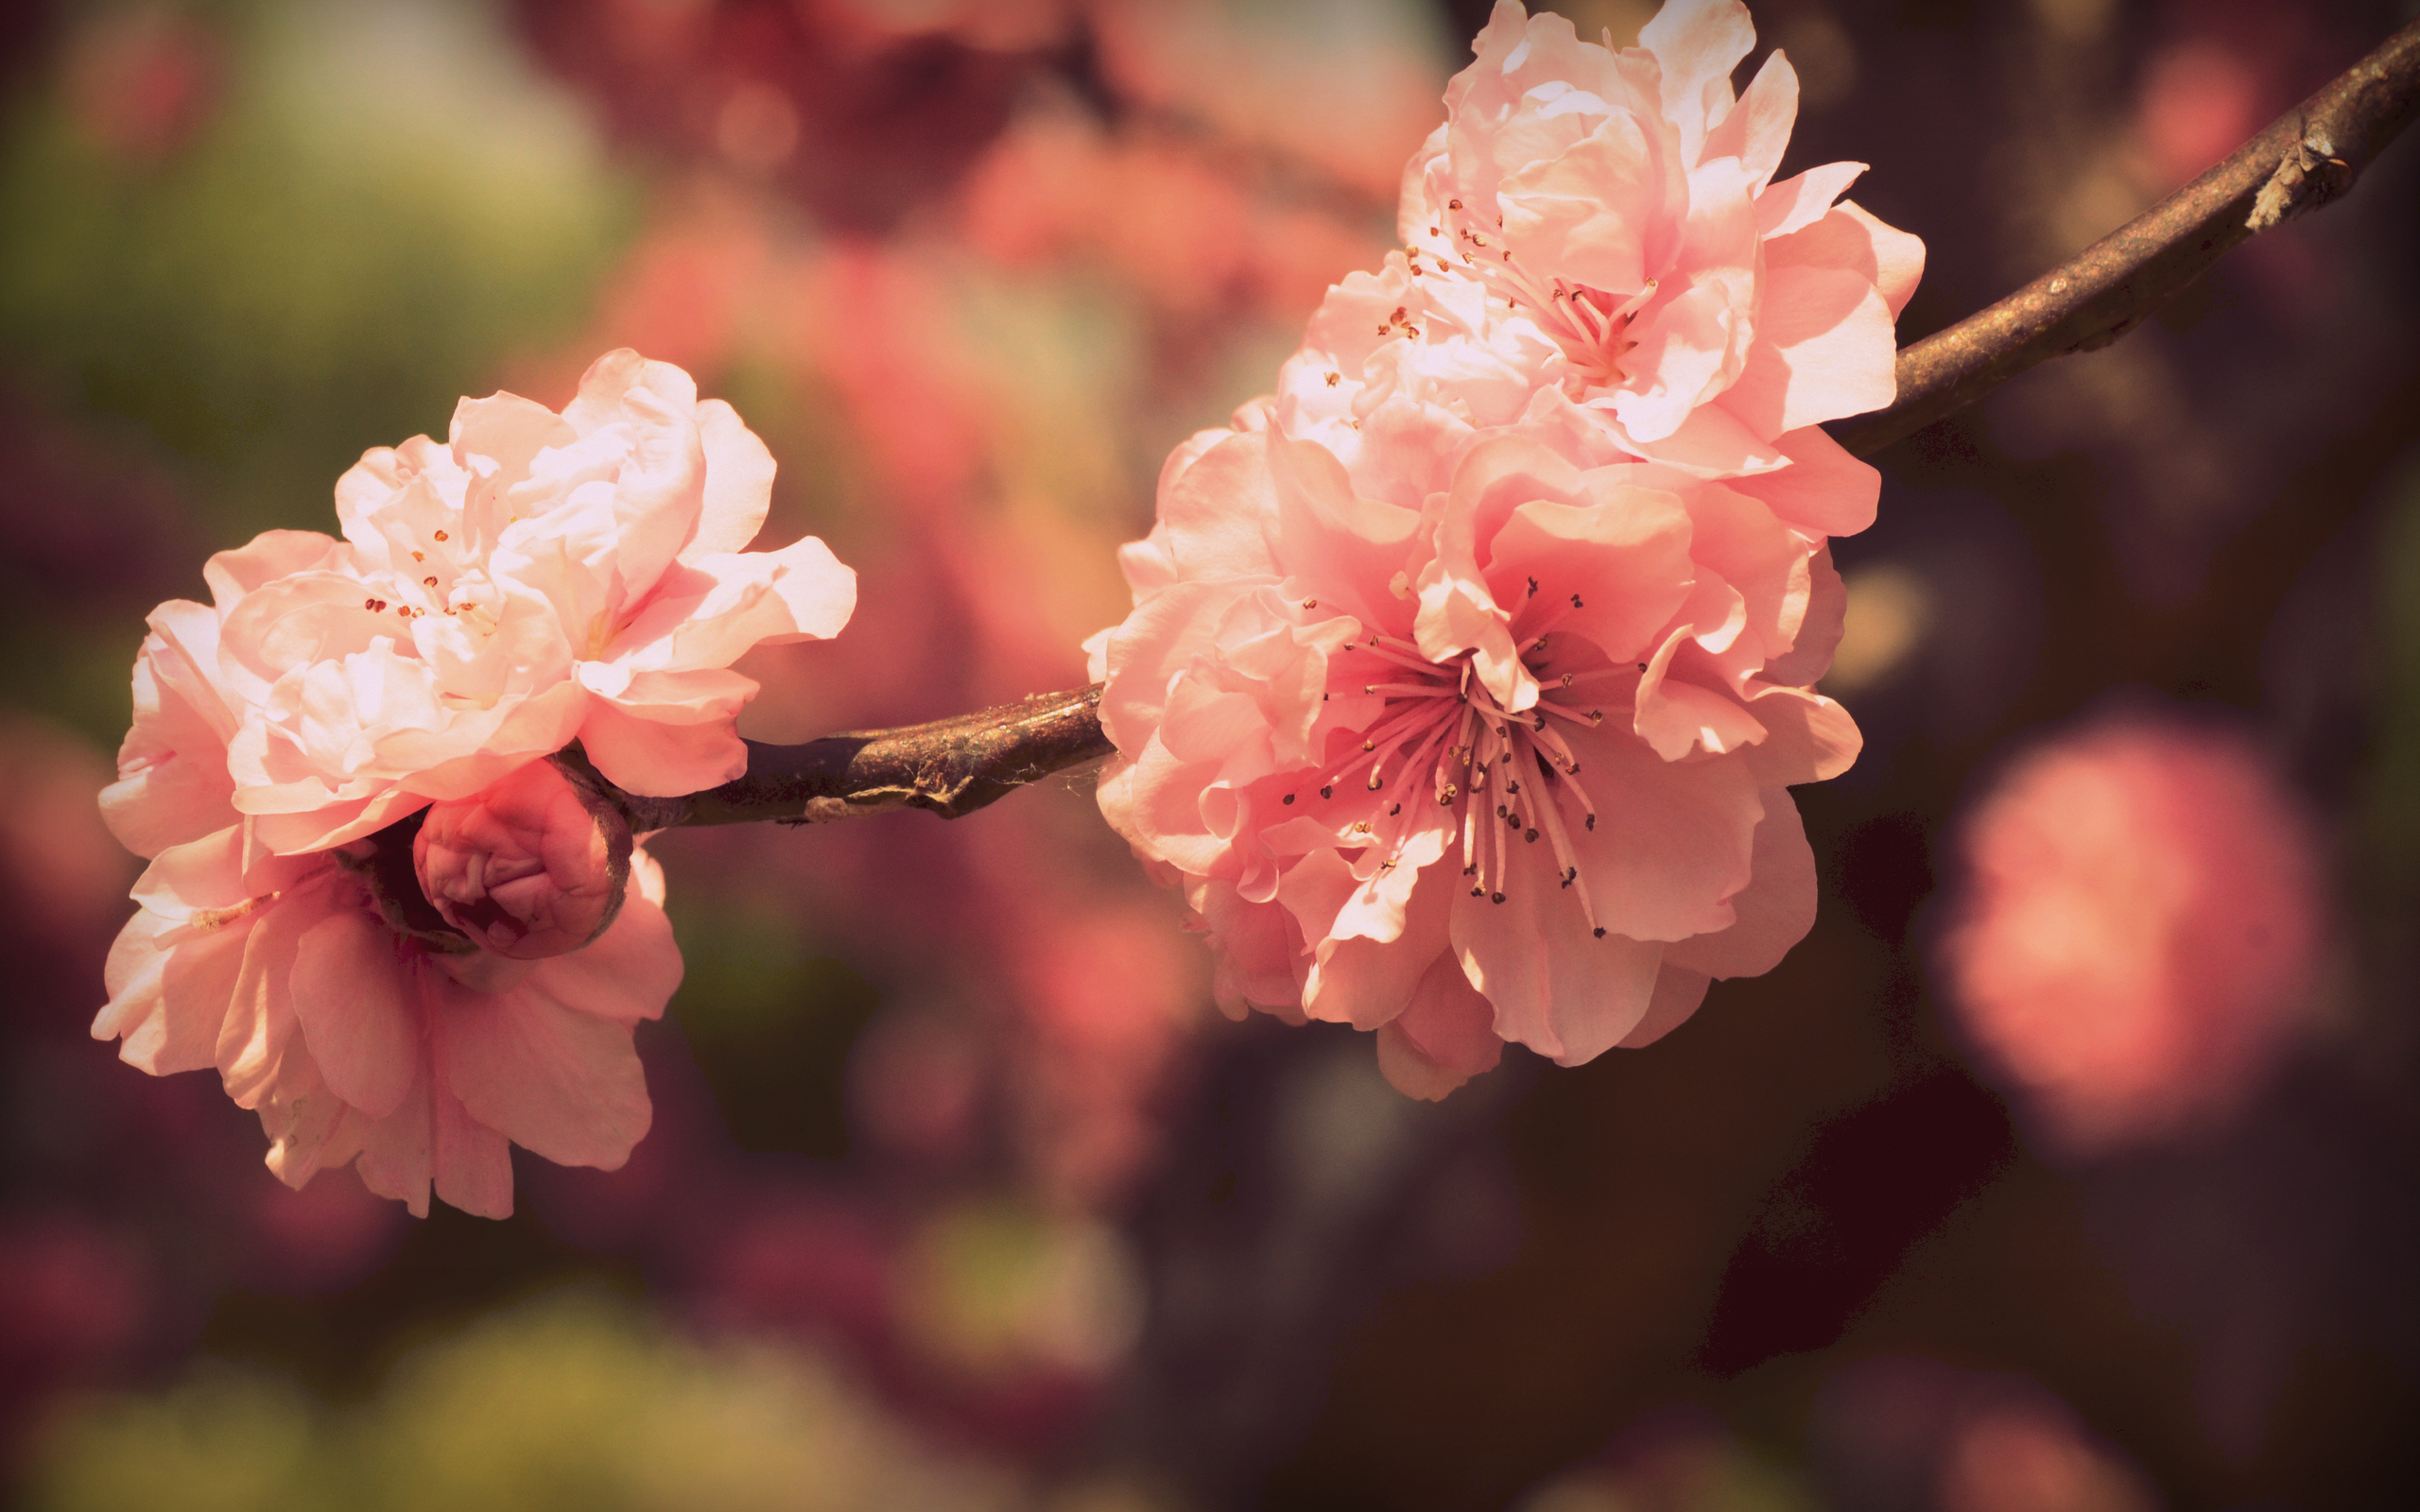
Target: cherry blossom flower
x=357 y=1026
x=413 y=1002
x=2139 y=929
x=1467 y=673
x=1595 y=247
x=539 y=579
x=1508 y=767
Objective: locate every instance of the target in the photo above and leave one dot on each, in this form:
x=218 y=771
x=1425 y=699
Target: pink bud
x=531 y=867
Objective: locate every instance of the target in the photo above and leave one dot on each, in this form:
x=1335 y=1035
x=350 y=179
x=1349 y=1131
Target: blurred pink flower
x=1356 y=733
x=2139 y=929
x=530 y=867
x=1595 y=247
x=2034 y=1456
x=542 y=578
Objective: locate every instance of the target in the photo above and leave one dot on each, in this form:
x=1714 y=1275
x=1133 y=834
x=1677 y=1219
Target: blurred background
x=2068 y=1164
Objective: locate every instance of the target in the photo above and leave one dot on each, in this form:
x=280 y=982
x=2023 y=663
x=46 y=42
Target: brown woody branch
x=2307 y=157
x=2304 y=159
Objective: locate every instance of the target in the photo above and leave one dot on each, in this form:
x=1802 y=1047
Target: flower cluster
x=414 y=999
x=1467 y=673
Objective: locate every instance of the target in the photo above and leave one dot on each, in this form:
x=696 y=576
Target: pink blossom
x=357 y=1028
x=530 y=867
x=357 y=1042
x=1595 y=247
x=1509 y=766
x=543 y=578
x=539 y=579
x=2139 y=928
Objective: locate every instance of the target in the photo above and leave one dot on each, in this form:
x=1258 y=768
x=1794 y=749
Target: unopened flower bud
x=532 y=866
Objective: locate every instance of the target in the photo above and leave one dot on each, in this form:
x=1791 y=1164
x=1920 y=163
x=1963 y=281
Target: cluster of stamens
x=1588 y=325
x=1511 y=775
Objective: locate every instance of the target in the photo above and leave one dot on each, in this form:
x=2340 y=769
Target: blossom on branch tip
x=1595 y=247
x=414 y=991
x=1468 y=673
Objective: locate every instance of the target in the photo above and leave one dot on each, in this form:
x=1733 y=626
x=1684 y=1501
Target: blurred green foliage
x=385 y=202
x=770 y=1023
x=570 y=1402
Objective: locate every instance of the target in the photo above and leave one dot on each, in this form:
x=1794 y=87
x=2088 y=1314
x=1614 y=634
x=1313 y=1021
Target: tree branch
x=950 y=766
x=2304 y=159
x=2307 y=157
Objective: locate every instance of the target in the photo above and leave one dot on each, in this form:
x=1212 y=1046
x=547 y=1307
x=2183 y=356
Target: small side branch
x=2307 y=157
x=950 y=767
x=2304 y=159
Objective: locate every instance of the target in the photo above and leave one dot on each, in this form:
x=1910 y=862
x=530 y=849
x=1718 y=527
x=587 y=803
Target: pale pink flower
x=2138 y=930
x=1509 y=766
x=1595 y=247
x=542 y=578
x=537 y=579
x=357 y=1027
x=357 y=1042
x=531 y=865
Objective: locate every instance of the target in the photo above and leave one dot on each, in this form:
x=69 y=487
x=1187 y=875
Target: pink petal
x=167 y=999
x=1677 y=716
x=1557 y=987
x=1775 y=911
x=1588 y=211
x=1672 y=839
x=494 y=440
x=396 y=1151
x=1819 y=631
x=627 y=973
x=261 y=1020
x=1697 y=43
x=1678 y=992
x=1322 y=533
x=740 y=483
x=1364 y=981
x=1852 y=240
x=1823 y=491
x=1444 y=1036
x=1613 y=568
x=271 y=555
x=1757 y=129
x=1214 y=511
x=352 y=992
x=564 y=1084
x=1796 y=203
x=1824 y=350
x=303 y=1120
x=1256 y=951
x=1808 y=737
x=469 y=1163
x=655 y=759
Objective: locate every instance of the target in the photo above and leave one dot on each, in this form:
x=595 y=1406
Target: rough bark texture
x=2307 y=158
x=951 y=766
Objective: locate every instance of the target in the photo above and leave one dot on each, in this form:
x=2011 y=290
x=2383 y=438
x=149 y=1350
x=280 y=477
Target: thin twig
x=950 y=767
x=2304 y=159
x=2307 y=157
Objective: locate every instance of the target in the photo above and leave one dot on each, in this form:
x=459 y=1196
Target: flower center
x=1589 y=324
x=1510 y=776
